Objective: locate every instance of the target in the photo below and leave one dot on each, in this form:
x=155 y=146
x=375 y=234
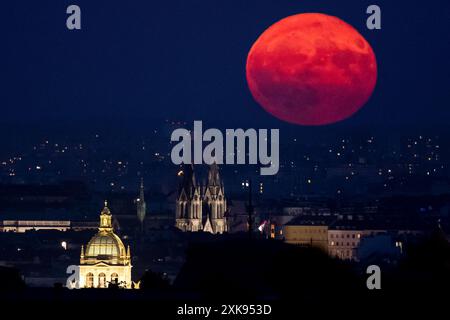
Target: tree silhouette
x=152 y=280
x=10 y=279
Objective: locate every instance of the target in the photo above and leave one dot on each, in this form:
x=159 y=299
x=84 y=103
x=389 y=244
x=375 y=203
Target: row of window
x=332 y=235
x=353 y=236
x=310 y=231
x=353 y=244
x=101 y=280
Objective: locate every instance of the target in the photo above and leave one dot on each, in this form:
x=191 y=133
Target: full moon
x=311 y=69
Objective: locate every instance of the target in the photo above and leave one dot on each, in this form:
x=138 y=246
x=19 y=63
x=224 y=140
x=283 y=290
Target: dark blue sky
x=135 y=61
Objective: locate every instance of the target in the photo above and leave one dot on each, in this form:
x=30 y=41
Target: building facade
x=21 y=226
x=344 y=243
x=201 y=208
x=105 y=260
x=307 y=235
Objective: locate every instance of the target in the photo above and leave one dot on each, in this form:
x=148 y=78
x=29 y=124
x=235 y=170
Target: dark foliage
x=263 y=269
x=10 y=279
x=154 y=281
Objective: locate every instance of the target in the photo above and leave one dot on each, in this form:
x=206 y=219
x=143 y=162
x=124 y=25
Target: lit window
x=102 y=280
x=115 y=278
x=89 y=280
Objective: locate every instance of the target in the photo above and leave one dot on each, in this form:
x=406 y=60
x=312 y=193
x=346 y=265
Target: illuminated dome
x=105 y=246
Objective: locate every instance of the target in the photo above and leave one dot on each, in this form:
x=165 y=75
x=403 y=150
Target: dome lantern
x=105 y=219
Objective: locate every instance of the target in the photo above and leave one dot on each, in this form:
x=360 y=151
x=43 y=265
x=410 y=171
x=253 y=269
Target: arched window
x=89 y=280
x=114 y=278
x=102 y=280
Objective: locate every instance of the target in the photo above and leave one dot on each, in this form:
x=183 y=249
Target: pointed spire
x=141 y=206
x=128 y=252
x=141 y=192
x=188 y=184
x=213 y=175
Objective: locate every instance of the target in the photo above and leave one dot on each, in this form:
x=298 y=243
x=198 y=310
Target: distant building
x=344 y=237
x=350 y=237
x=201 y=208
x=22 y=226
x=105 y=259
x=344 y=244
x=189 y=203
x=307 y=232
x=28 y=225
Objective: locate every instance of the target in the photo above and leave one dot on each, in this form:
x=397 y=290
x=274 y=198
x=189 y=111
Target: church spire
x=188 y=184
x=141 y=191
x=213 y=175
x=141 y=205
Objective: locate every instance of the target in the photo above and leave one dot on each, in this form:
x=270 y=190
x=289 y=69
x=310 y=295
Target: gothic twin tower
x=201 y=207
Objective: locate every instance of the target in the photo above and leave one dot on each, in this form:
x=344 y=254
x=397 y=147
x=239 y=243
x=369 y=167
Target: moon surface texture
x=311 y=69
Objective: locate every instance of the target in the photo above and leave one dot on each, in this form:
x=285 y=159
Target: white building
x=105 y=260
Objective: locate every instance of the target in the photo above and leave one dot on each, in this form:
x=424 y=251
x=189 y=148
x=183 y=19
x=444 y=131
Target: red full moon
x=311 y=69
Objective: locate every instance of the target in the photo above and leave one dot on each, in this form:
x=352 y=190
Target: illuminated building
x=105 y=260
x=307 y=232
x=201 y=209
x=189 y=203
x=344 y=244
x=345 y=235
x=28 y=225
x=21 y=226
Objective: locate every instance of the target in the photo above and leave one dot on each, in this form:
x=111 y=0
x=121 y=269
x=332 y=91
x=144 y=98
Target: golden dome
x=105 y=246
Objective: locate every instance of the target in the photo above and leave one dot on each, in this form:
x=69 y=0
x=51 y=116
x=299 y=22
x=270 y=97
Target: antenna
x=250 y=209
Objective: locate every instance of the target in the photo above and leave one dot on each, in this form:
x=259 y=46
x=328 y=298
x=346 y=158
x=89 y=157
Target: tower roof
x=141 y=206
x=213 y=175
x=188 y=184
x=141 y=191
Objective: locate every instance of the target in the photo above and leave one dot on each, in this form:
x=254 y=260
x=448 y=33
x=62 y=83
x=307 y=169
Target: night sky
x=137 y=62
